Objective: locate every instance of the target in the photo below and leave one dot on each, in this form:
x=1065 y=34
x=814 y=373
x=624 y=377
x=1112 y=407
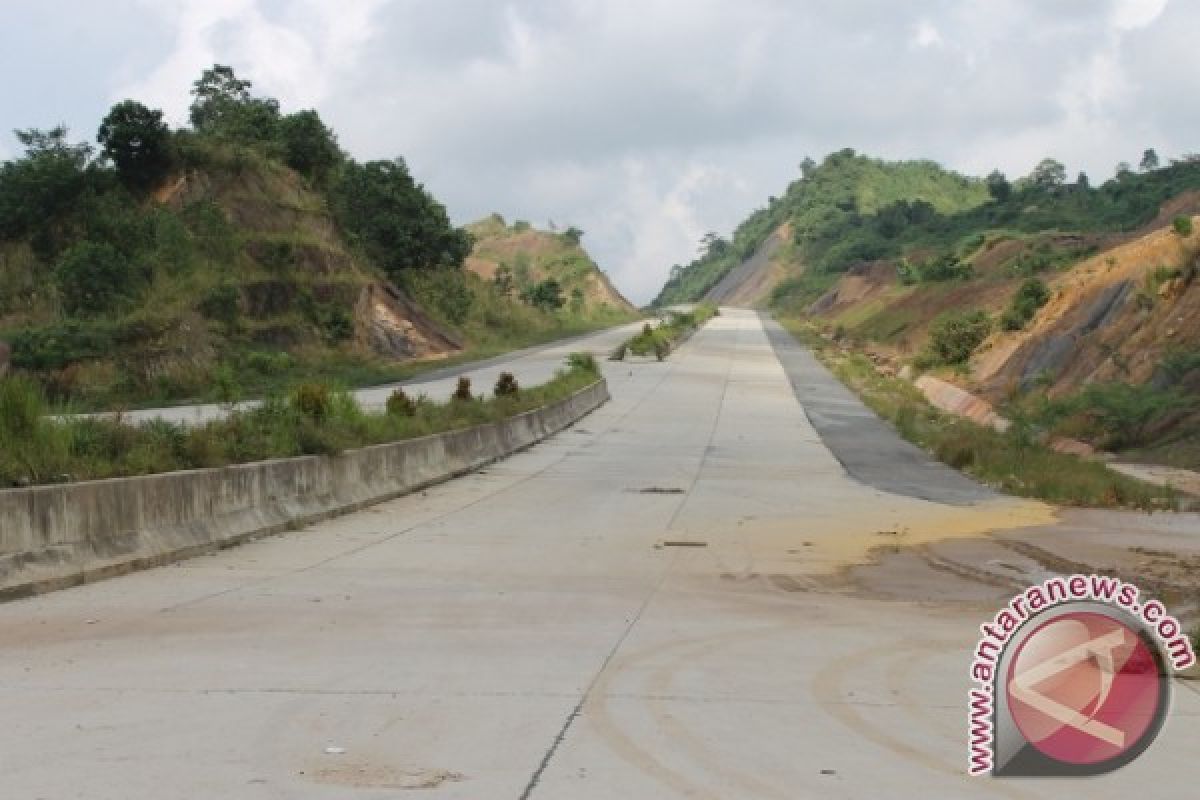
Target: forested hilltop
x=233 y=256
x=1072 y=307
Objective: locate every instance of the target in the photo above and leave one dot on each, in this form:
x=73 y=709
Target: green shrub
x=1158 y=276
x=462 y=391
x=313 y=400
x=226 y=389
x=399 y=404
x=583 y=361
x=1031 y=296
x=1177 y=364
x=95 y=279
x=1182 y=225
x=546 y=296
x=267 y=363
x=1115 y=415
x=954 y=335
x=220 y=303
x=944 y=268
x=506 y=385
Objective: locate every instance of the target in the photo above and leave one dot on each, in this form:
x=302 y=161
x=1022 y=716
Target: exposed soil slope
x=750 y=283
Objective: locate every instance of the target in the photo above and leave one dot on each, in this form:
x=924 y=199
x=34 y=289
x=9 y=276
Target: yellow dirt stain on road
x=823 y=545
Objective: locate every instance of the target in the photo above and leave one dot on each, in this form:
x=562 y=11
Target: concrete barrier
x=52 y=537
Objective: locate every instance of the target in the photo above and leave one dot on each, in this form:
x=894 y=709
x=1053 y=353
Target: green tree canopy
x=998 y=186
x=223 y=106
x=309 y=146
x=38 y=190
x=1149 y=160
x=547 y=295
x=138 y=142
x=395 y=220
x=1049 y=174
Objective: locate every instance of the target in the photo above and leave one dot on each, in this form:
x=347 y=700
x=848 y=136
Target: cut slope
x=749 y=284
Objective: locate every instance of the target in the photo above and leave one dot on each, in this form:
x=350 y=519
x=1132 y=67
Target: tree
x=713 y=246
x=577 y=301
x=1149 y=160
x=1048 y=175
x=807 y=168
x=573 y=235
x=138 y=142
x=1082 y=183
x=309 y=147
x=395 y=220
x=998 y=186
x=546 y=296
x=1123 y=170
x=39 y=190
x=223 y=106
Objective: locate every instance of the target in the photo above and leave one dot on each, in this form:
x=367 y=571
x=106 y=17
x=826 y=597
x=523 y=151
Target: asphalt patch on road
x=868 y=448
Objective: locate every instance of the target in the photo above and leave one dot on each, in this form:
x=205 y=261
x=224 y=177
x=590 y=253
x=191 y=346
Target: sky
x=648 y=123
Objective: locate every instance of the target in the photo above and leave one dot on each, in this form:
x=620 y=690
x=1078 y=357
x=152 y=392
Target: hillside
x=818 y=209
x=1073 y=307
x=242 y=254
x=521 y=257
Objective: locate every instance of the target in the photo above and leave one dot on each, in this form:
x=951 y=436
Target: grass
x=312 y=418
x=1014 y=462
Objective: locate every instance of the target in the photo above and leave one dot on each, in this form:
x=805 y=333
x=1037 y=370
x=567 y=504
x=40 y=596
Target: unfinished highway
x=656 y=603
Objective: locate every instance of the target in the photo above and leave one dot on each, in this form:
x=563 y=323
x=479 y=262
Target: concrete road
x=530 y=365
x=649 y=605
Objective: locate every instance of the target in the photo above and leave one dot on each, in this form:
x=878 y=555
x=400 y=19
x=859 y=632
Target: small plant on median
x=506 y=385
x=583 y=361
x=313 y=400
x=462 y=392
x=399 y=404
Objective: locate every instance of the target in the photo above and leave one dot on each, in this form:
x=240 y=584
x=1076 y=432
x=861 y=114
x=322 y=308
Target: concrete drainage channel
x=53 y=537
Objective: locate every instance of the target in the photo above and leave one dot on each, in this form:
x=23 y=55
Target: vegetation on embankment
x=1015 y=461
x=236 y=256
x=659 y=340
x=311 y=418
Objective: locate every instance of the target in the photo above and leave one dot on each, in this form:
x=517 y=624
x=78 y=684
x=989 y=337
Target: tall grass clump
x=33 y=448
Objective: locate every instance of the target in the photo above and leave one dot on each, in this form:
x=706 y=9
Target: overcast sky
x=644 y=123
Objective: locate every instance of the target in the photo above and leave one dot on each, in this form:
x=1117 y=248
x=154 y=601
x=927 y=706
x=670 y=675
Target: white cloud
x=1129 y=15
x=298 y=56
x=926 y=35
